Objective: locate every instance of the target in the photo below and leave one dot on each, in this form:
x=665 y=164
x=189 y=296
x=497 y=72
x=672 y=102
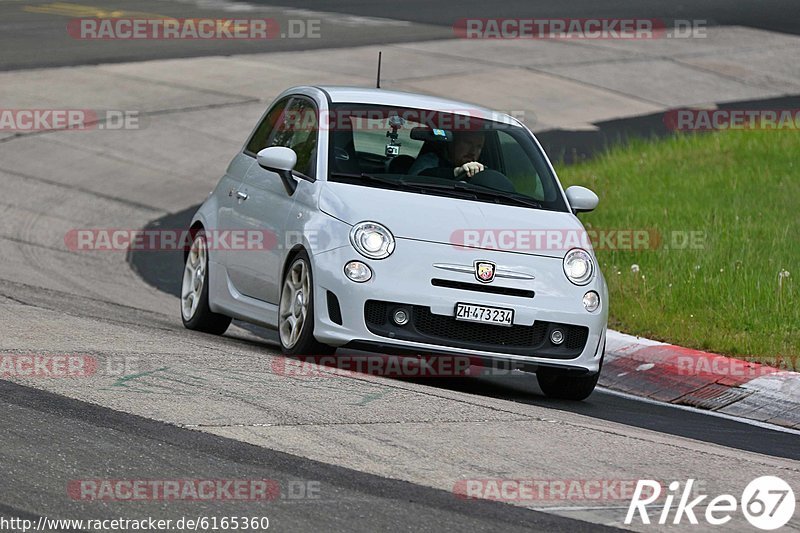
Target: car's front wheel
x=296 y=311
x=195 y=312
x=559 y=384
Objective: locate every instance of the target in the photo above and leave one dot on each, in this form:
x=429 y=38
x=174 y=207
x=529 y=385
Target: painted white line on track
x=583 y=508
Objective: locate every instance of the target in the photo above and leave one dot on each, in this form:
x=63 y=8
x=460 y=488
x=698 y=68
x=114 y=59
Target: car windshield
x=425 y=152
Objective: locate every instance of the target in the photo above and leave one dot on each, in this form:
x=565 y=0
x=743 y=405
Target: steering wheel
x=491 y=179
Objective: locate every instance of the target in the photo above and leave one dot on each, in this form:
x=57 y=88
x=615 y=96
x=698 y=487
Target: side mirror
x=280 y=160
x=581 y=199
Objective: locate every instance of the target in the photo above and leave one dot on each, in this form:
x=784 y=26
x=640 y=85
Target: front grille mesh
x=375 y=312
x=431 y=328
x=576 y=337
x=447 y=327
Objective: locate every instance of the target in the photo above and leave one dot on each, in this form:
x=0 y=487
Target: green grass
x=742 y=189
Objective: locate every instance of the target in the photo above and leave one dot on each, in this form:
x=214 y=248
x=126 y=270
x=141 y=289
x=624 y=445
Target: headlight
x=372 y=240
x=578 y=266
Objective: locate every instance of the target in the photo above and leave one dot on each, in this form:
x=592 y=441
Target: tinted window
x=297 y=130
x=520 y=169
x=259 y=139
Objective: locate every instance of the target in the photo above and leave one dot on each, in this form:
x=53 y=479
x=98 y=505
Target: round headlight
x=372 y=240
x=578 y=266
x=591 y=301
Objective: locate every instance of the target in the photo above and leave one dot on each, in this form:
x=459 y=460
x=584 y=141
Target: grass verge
x=720 y=272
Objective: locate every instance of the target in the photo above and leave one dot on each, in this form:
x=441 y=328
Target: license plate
x=484 y=314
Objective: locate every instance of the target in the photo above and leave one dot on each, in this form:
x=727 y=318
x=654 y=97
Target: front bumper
x=409 y=278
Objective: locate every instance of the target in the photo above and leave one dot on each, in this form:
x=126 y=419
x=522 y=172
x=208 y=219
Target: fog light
x=591 y=301
x=557 y=336
x=357 y=271
x=400 y=317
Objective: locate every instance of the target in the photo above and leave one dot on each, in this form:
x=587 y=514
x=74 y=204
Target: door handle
x=241 y=196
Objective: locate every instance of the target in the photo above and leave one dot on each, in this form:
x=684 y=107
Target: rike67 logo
x=767 y=503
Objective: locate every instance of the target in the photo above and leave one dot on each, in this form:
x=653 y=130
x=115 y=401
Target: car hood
x=455 y=221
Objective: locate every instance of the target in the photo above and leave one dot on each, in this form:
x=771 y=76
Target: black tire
x=203 y=318
x=306 y=344
x=557 y=384
x=562 y=385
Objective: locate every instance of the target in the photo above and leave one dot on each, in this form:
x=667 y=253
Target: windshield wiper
x=514 y=197
x=487 y=193
x=403 y=184
x=463 y=190
x=363 y=176
x=398 y=184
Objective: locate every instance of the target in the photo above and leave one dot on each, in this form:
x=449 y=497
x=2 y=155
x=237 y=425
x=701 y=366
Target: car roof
x=363 y=95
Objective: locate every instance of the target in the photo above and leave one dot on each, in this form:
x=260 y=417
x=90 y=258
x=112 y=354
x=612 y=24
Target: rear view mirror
x=421 y=133
x=277 y=158
x=281 y=160
x=581 y=199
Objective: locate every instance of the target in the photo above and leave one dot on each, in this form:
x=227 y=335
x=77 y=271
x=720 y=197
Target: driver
x=460 y=161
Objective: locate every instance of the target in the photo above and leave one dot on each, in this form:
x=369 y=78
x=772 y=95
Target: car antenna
x=378 y=83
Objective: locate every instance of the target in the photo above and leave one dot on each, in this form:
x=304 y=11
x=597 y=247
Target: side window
x=259 y=139
x=519 y=168
x=298 y=131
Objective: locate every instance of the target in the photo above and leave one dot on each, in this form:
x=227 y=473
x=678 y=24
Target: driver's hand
x=470 y=169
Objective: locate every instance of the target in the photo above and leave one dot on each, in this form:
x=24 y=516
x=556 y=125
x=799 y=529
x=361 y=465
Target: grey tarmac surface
x=425 y=432
x=779 y=15
x=55 y=442
x=35 y=34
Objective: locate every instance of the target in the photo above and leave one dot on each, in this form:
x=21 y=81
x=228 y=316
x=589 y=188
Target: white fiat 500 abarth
x=401 y=223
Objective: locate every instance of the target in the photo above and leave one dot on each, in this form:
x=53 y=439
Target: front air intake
x=334 y=311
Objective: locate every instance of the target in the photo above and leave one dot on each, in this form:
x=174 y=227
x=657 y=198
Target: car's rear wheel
x=195 y=312
x=296 y=310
